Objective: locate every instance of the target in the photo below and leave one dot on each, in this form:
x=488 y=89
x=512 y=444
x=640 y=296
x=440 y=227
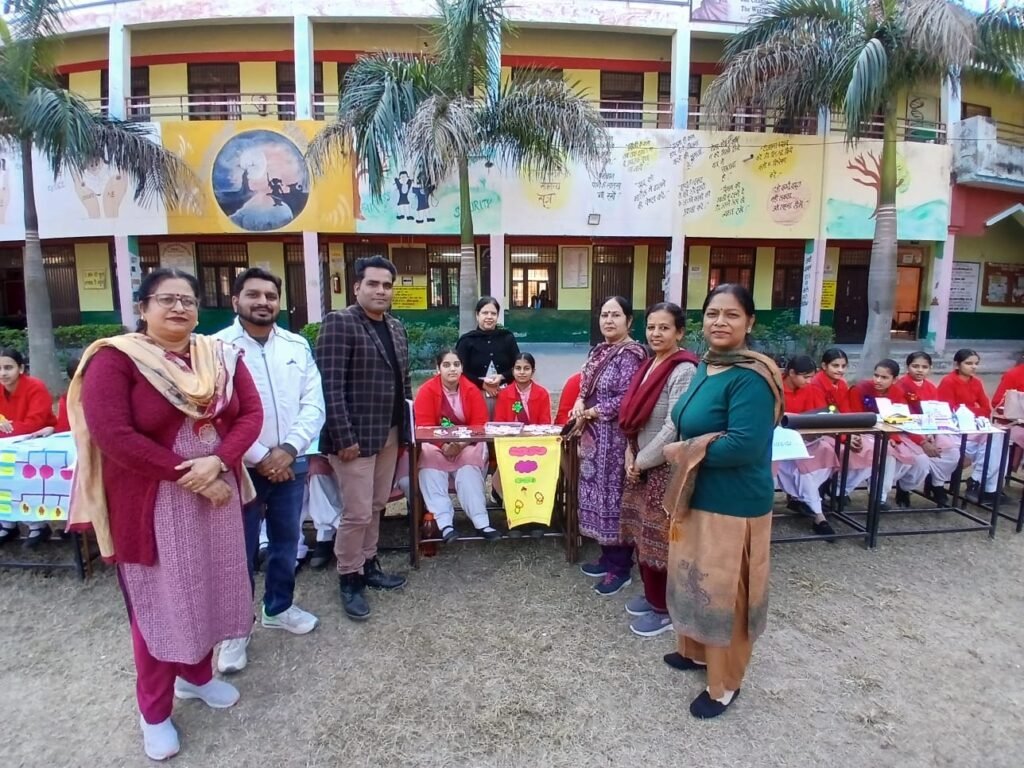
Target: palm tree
x=443 y=110
x=36 y=111
x=855 y=57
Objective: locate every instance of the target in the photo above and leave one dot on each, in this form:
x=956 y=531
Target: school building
x=239 y=87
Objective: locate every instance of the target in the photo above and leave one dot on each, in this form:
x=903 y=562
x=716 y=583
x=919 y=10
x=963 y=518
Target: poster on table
x=1003 y=286
x=35 y=477
x=12 y=209
x=963 y=287
x=96 y=201
x=852 y=182
x=529 y=469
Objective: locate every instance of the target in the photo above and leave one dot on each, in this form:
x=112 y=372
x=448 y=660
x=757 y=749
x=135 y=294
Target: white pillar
x=681 y=73
x=814 y=250
x=950 y=104
x=938 y=312
x=303 y=39
x=119 y=74
x=314 y=277
x=129 y=276
x=676 y=269
x=498 y=272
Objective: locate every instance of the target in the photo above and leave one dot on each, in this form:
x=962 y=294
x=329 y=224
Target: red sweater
x=570 y=392
x=863 y=395
x=538 y=407
x=135 y=427
x=915 y=392
x=1012 y=379
x=427 y=406
x=29 y=408
x=955 y=391
x=63 y=423
x=803 y=400
x=836 y=393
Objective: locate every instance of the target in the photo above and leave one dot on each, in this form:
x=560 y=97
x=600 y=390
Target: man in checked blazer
x=363 y=354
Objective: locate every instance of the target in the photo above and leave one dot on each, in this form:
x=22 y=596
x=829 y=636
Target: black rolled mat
x=836 y=421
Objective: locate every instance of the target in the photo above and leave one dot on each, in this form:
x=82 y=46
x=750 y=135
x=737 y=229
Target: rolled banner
x=834 y=421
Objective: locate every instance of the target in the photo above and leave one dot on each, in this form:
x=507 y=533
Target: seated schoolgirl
x=943 y=451
x=963 y=387
x=1013 y=379
x=830 y=381
x=524 y=401
x=906 y=464
x=447 y=400
x=801 y=478
x=566 y=400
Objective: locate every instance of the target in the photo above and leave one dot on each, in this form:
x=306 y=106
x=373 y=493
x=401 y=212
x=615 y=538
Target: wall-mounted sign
x=963 y=288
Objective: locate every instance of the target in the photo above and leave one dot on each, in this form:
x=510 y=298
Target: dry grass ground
x=501 y=655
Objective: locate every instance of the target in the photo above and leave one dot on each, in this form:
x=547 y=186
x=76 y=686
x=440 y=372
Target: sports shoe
x=294 y=620
x=638 y=606
x=216 y=694
x=161 y=740
x=594 y=570
x=36 y=537
x=232 y=656
x=651 y=624
x=823 y=528
x=9 y=534
x=612 y=584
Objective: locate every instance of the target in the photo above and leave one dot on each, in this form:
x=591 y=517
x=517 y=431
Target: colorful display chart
x=35 y=477
x=529 y=466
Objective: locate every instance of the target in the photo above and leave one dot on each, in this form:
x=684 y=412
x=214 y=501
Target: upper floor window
x=622 y=96
x=214 y=92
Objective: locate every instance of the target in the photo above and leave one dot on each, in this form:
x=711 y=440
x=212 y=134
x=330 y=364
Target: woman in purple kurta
x=605 y=379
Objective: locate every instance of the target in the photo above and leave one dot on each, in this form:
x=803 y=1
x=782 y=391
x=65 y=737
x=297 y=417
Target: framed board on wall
x=178 y=256
x=1003 y=286
x=963 y=287
x=575 y=266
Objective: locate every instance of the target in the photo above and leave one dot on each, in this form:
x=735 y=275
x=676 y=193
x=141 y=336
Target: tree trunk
x=42 y=352
x=882 y=274
x=467 y=264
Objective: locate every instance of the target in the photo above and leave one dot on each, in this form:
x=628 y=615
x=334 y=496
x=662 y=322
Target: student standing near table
x=288 y=381
x=721 y=501
x=26 y=406
x=363 y=354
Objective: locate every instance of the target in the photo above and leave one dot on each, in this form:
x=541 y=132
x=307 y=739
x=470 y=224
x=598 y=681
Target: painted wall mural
x=12 y=209
x=922 y=195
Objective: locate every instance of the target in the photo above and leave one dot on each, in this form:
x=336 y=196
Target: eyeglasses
x=168 y=300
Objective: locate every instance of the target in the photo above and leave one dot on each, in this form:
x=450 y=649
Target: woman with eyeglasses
x=161 y=419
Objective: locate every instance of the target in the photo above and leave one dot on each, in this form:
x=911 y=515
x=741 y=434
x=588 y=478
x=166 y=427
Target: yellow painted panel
x=1000 y=245
x=270 y=256
x=86 y=84
x=697 y=276
x=639 y=298
x=1007 y=106
x=587 y=80
x=574 y=298
x=764 y=276
x=212 y=38
x=331 y=85
x=168 y=80
x=92 y=265
x=606 y=45
x=257 y=79
x=706 y=51
x=370 y=37
x=81 y=48
x=651 y=97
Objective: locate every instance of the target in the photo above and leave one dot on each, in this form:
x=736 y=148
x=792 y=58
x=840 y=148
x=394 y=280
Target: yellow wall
x=697 y=282
x=568 y=298
x=369 y=37
x=168 y=80
x=587 y=80
x=1001 y=245
x=270 y=256
x=705 y=51
x=94 y=257
x=604 y=45
x=639 y=298
x=259 y=78
x=764 y=274
x=86 y=84
x=1007 y=106
x=208 y=38
x=82 y=48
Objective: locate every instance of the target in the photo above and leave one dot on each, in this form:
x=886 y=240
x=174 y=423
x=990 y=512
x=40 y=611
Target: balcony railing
x=1008 y=133
x=211 y=106
x=988 y=153
x=749 y=120
x=922 y=131
x=636 y=114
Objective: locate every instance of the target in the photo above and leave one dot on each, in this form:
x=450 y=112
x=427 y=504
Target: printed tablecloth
x=35 y=477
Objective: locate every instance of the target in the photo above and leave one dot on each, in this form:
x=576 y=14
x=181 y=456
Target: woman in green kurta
x=720 y=502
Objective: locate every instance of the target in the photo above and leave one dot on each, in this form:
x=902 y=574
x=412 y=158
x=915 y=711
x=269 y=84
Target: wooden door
x=295 y=286
x=906 y=312
x=613 y=276
x=851 y=313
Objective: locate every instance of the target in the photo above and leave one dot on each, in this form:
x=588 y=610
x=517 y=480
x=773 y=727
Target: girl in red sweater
x=26 y=406
x=449 y=400
x=963 y=387
x=801 y=478
x=943 y=451
x=1012 y=379
x=906 y=464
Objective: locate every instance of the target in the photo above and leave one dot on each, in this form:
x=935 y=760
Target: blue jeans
x=281 y=504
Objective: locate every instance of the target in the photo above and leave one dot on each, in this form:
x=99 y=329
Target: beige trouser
x=365 y=485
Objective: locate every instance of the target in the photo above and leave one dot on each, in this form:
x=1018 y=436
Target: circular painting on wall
x=260 y=181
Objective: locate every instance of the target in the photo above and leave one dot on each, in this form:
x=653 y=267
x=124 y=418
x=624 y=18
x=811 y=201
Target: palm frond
x=468 y=43
x=938 y=32
x=441 y=133
x=538 y=127
x=382 y=93
x=37 y=19
x=868 y=86
x=821 y=19
x=60 y=125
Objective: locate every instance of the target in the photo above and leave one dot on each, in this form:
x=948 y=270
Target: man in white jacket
x=283 y=369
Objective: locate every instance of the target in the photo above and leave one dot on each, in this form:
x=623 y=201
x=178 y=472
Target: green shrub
x=782 y=338
x=309 y=332
x=81 y=336
x=14 y=338
x=424 y=341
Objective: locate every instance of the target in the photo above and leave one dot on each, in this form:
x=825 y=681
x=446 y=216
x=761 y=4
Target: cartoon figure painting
x=260 y=180
x=423 y=191
x=101 y=190
x=404 y=185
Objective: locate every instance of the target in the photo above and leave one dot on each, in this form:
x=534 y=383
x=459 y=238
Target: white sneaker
x=232 y=656
x=216 y=694
x=294 y=620
x=161 y=740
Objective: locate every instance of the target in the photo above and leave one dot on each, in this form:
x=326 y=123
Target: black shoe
x=323 y=553
x=515 y=533
x=489 y=533
x=973 y=492
x=884 y=507
x=940 y=496
x=929 y=487
x=261 y=558
x=353 y=596
x=902 y=498
x=36 y=537
x=822 y=528
x=989 y=497
x=680 y=662
x=496 y=498
x=538 y=531
x=449 y=534
x=375 y=578
x=800 y=507
x=9 y=534
x=704 y=707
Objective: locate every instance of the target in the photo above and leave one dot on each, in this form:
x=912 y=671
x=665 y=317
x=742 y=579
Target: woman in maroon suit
x=161 y=419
